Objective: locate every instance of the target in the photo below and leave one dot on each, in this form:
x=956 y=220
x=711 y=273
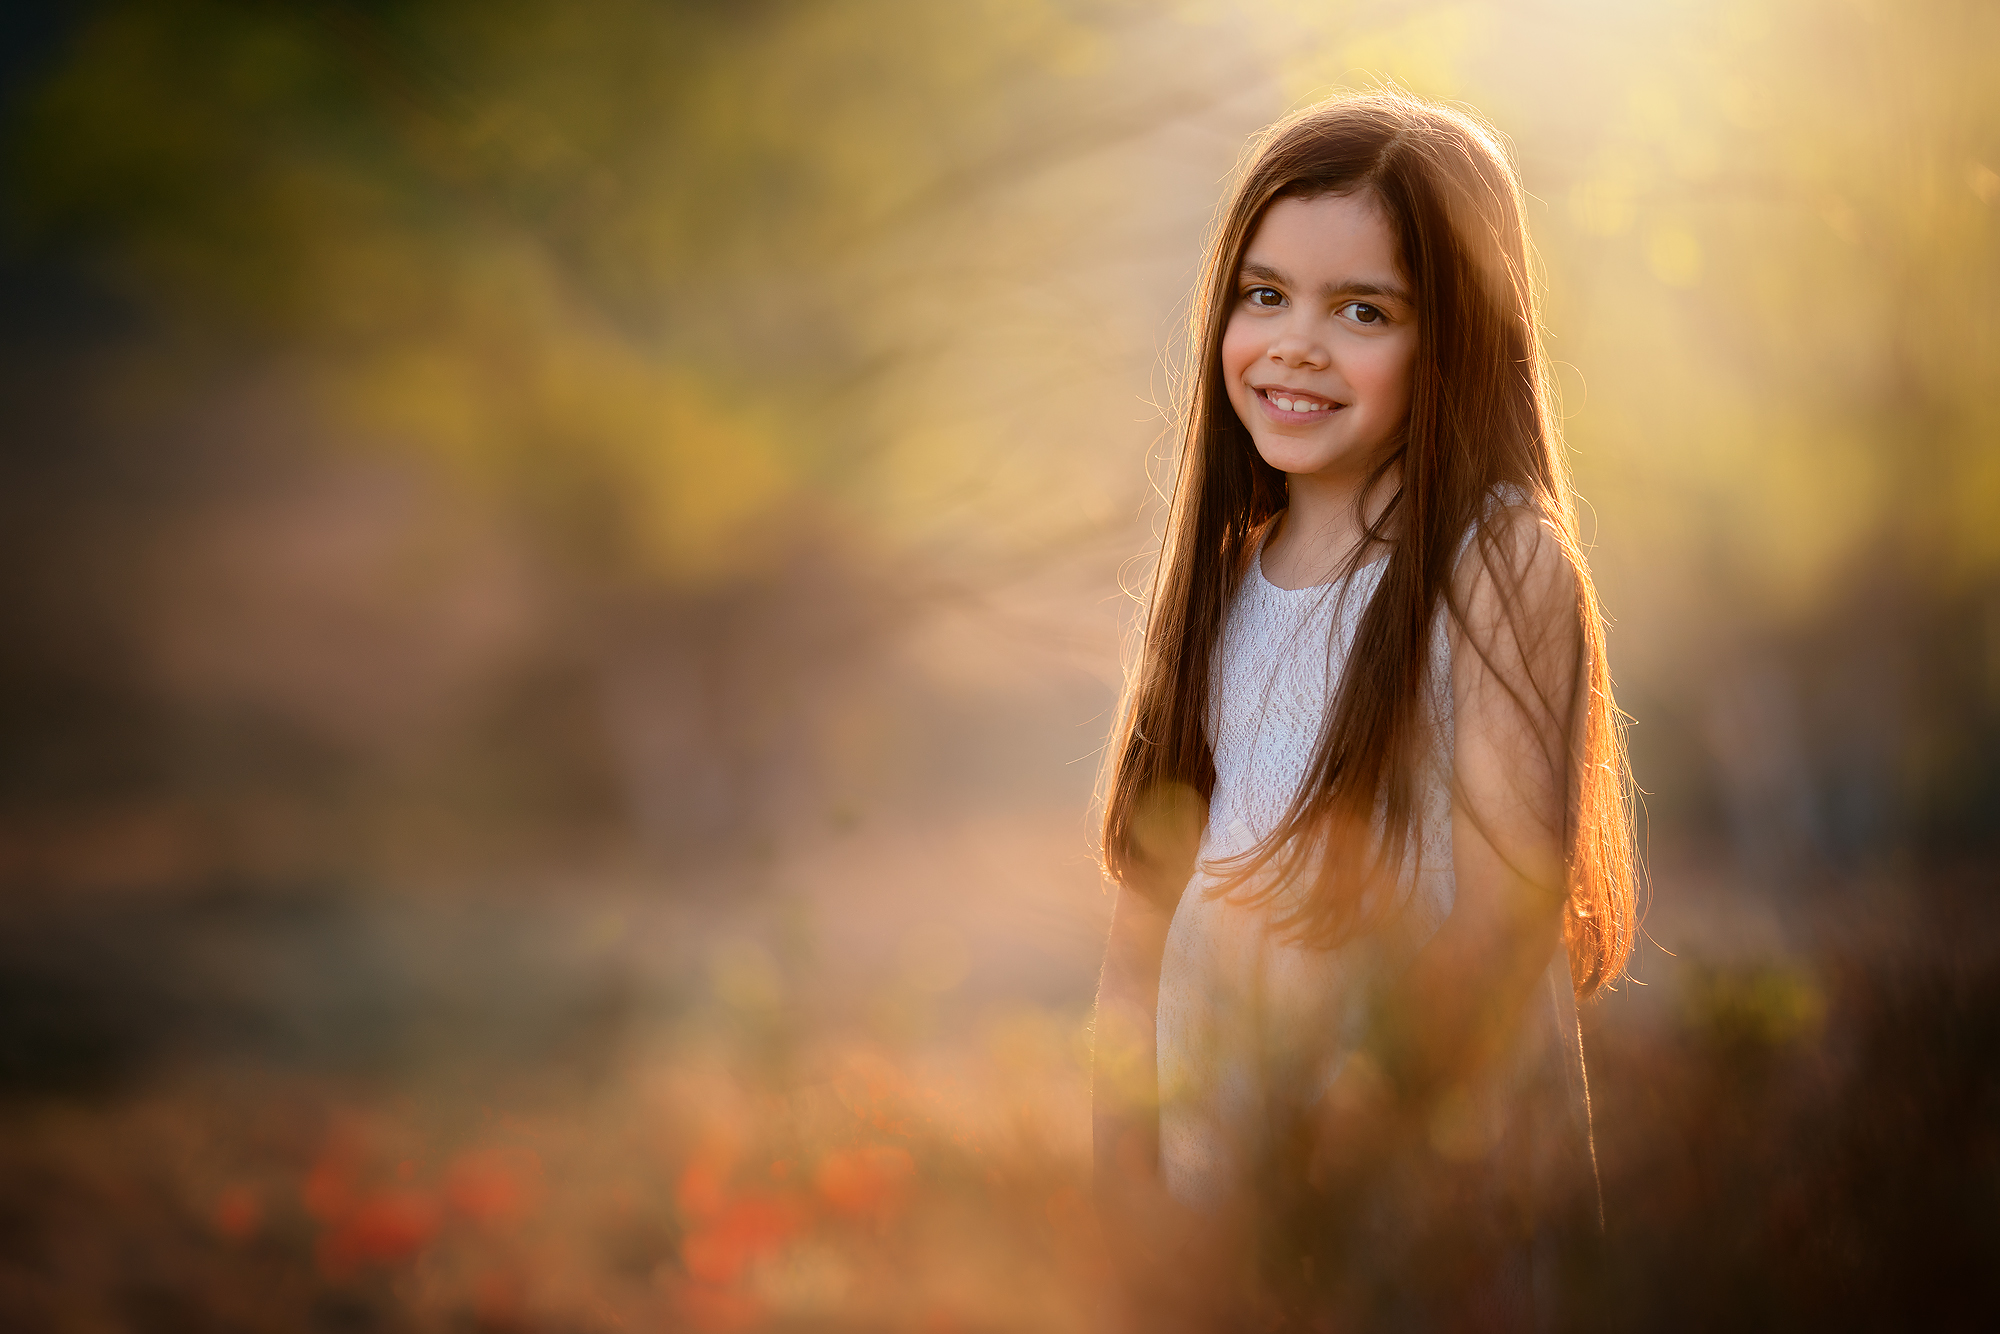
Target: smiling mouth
x=1297 y=404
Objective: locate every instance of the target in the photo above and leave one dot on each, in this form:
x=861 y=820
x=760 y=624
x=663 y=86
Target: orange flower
x=494 y=1185
x=380 y=1229
x=239 y=1212
x=869 y=1179
x=747 y=1228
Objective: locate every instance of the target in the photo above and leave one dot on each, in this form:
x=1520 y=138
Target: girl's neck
x=1322 y=525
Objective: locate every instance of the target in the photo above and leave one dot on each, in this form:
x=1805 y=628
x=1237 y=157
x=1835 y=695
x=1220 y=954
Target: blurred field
x=563 y=572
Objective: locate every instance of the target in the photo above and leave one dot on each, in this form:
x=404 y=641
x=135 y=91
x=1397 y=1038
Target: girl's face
x=1317 y=351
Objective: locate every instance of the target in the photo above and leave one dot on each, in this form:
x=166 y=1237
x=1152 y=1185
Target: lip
x=1264 y=392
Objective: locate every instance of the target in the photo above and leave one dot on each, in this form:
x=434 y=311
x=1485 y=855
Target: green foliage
x=578 y=256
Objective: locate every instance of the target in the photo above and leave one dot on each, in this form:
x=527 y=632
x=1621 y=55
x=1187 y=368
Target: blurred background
x=563 y=576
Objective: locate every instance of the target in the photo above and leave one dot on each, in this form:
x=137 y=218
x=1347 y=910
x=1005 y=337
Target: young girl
x=1367 y=801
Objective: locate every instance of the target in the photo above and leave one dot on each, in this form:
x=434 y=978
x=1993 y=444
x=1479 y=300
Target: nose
x=1300 y=349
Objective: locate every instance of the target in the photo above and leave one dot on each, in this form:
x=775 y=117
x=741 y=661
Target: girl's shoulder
x=1516 y=525
x=1516 y=565
x=1510 y=503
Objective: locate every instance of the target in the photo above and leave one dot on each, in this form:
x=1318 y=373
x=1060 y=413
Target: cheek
x=1239 y=349
x=1389 y=377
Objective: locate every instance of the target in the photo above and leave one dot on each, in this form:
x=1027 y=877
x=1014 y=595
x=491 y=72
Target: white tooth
x=1284 y=404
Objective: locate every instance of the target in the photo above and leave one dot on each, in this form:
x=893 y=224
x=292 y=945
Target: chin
x=1300 y=462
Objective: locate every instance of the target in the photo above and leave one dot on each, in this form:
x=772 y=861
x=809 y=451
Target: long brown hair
x=1480 y=425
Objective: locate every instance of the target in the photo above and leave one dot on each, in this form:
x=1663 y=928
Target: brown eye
x=1264 y=296
x=1363 y=313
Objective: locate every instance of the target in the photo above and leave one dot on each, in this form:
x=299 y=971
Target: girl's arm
x=1125 y=1083
x=1515 y=662
x=1125 y=1077
x=1181 y=1270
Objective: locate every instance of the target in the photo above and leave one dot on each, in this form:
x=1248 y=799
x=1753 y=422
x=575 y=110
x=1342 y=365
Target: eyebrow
x=1351 y=287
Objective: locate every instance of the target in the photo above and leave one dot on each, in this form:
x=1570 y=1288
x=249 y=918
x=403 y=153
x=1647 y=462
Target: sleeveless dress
x=1252 y=1029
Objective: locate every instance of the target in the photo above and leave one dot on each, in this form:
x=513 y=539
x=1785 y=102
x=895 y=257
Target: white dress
x=1252 y=1029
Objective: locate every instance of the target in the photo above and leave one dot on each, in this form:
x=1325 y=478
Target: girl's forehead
x=1348 y=232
